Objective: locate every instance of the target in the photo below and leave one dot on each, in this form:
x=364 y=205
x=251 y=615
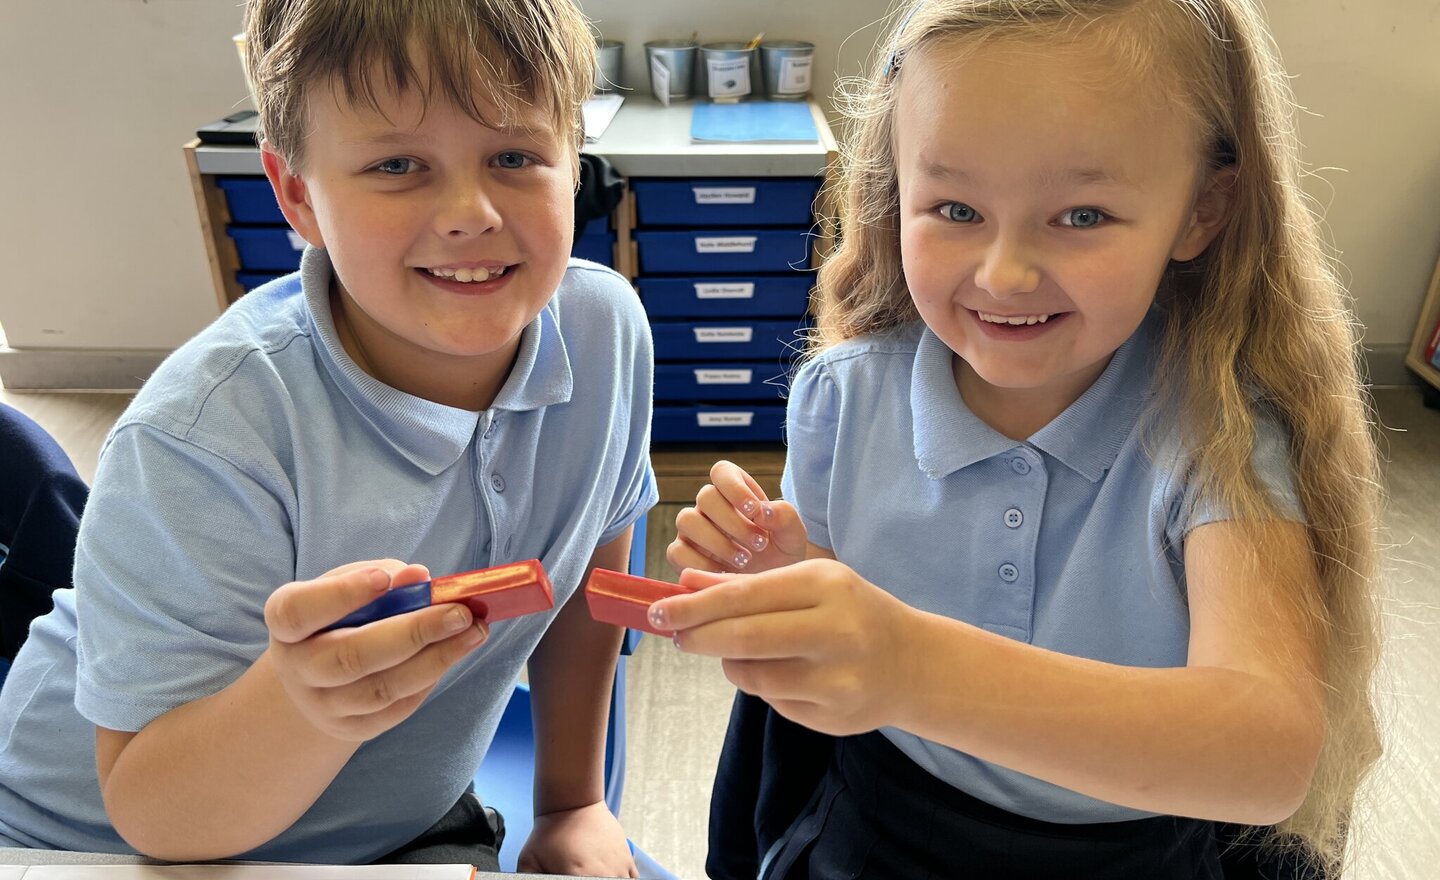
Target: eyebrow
x=1049 y=178
x=392 y=137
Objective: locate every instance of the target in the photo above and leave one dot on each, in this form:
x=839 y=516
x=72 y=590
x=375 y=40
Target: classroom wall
x=100 y=251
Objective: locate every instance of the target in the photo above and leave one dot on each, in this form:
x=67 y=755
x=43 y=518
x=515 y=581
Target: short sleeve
x=811 y=417
x=635 y=491
x=1272 y=463
x=177 y=552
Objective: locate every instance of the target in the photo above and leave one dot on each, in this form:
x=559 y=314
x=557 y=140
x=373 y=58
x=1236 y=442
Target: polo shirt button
x=1020 y=466
x=497 y=482
x=1009 y=573
x=1013 y=518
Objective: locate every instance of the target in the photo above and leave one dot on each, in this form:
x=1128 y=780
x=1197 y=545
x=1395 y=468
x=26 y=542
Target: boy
x=435 y=391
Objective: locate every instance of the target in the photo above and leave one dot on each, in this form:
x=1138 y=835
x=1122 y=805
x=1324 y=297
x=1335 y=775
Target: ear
x=292 y=194
x=1212 y=209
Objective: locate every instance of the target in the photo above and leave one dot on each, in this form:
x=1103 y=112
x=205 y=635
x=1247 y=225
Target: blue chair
x=506 y=776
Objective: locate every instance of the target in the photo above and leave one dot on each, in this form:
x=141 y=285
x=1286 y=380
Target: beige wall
x=99 y=247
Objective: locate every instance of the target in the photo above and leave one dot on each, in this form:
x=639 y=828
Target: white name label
x=723 y=377
x=725 y=291
x=794 y=76
x=728 y=195
x=725 y=419
x=729 y=78
x=660 y=80
x=724 y=334
x=296 y=241
x=730 y=244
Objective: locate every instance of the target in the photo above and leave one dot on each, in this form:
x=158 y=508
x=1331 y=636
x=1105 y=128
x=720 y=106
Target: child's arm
x=734 y=526
x=1232 y=736
x=224 y=774
x=572 y=672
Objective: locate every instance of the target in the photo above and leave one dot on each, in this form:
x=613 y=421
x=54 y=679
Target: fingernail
x=476 y=635
x=741 y=559
x=675 y=640
x=379 y=580
x=456 y=619
x=748 y=508
x=768 y=511
x=759 y=542
x=658 y=617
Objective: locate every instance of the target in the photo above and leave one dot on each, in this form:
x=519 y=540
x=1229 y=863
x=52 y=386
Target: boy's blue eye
x=959 y=212
x=396 y=166
x=512 y=159
x=1082 y=218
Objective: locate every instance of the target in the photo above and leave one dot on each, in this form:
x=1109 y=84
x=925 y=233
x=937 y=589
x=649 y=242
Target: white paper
x=724 y=195
x=723 y=377
x=598 y=112
x=717 y=290
x=724 y=419
x=724 y=334
x=296 y=241
x=729 y=78
x=794 y=75
x=729 y=244
x=660 y=80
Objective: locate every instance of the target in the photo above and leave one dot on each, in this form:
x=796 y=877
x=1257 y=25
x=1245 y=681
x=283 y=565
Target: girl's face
x=1041 y=198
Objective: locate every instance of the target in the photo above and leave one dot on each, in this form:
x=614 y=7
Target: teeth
x=1016 y=321
x=468 y=275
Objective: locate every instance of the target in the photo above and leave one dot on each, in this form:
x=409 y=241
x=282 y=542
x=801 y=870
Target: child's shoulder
x=590 y=291
x=869 y=355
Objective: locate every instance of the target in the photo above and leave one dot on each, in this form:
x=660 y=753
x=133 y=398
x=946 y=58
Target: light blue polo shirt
x=1072 y=540
x=259 y=454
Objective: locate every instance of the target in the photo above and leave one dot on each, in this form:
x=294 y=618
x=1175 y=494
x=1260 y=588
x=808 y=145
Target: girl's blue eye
x=1082 y=218
x=397 y=166
x=512 y=160
x=959 y=212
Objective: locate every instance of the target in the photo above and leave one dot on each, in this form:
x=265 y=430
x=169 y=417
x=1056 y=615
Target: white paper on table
x=660 y=80
x=599 y=111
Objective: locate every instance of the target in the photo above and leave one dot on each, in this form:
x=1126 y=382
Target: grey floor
x=678 y=704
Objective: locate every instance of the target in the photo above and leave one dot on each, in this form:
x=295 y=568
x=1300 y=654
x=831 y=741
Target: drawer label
x=744 y=290
x=723 y=377
x=725 y=419
x=724 y=334
x=724 y=195
x=730 y=244
x=296 y=241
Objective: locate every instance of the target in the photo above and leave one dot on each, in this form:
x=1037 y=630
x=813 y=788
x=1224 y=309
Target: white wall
x=99 y=244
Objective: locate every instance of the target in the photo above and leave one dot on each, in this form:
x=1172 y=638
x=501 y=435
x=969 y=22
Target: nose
x=1007 y=267
x=467 y=209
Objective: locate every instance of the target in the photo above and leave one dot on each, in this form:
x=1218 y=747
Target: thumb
x=699 y=579
x=787 y=532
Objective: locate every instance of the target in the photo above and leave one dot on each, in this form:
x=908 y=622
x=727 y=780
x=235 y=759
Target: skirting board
x=73 y=369
x=77 y=369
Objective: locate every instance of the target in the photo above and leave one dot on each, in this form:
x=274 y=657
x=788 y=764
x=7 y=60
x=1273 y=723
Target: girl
x=1080 y=486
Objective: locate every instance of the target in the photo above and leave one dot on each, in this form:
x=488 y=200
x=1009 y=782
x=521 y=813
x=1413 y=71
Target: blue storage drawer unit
x=723 y=252
x=718 y=424
x=727 y=297
x=720 y=381
x=598 y=248
x=251 y=200
x=725 y=202
x=251 y=280
x=725 y=340
x=273 y=248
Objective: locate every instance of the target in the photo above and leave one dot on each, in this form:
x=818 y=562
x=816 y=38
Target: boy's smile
x=447 y=235
x=1042 y=196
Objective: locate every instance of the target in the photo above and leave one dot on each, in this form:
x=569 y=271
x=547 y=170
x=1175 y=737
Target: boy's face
x=447 y=236
x=1038 y=184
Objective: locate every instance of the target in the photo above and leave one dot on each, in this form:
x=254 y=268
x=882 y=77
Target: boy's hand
x=354 y=684
x=587 y=841
x=735 y=527
x=822 y=645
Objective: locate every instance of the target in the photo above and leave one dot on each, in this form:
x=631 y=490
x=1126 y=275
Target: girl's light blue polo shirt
x=1072 y=540
x=259 y=454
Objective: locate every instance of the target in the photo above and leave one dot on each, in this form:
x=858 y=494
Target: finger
x=682 y=555
x=366 y=727
x=415 y=675
x=722 y=510
x=743 y=493
x=700 y=579
x=770 y=636
x=348 y=655
x=742 y=596
x=298 y=610
x=788 y=534
x=704 y=534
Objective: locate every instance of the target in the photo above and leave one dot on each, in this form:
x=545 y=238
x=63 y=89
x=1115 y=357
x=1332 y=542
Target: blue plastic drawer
x=252 y=280
x=596 y=248
x=720 y=381
x=251 y=199
x=734 y=297
x=598 y=226
x=700 y=423
x=691 y=252
x=726 y=202
x=276 y=248
x=725 y=340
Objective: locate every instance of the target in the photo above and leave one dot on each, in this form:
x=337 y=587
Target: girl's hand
x=816 y=641
x=584 y=841
x=735 y=527
x=354 y=684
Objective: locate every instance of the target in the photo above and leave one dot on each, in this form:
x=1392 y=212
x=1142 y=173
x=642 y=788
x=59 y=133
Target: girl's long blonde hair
x=1260 y=320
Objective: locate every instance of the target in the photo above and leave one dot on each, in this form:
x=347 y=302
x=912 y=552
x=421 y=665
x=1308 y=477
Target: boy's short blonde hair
x=484 y=56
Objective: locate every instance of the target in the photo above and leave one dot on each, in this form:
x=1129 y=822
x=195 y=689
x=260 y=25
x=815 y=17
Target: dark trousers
x=877 y=815
x=470 y=833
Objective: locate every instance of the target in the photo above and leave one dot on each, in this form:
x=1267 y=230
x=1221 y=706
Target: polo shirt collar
x=1086 y=437
x=431 y=435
